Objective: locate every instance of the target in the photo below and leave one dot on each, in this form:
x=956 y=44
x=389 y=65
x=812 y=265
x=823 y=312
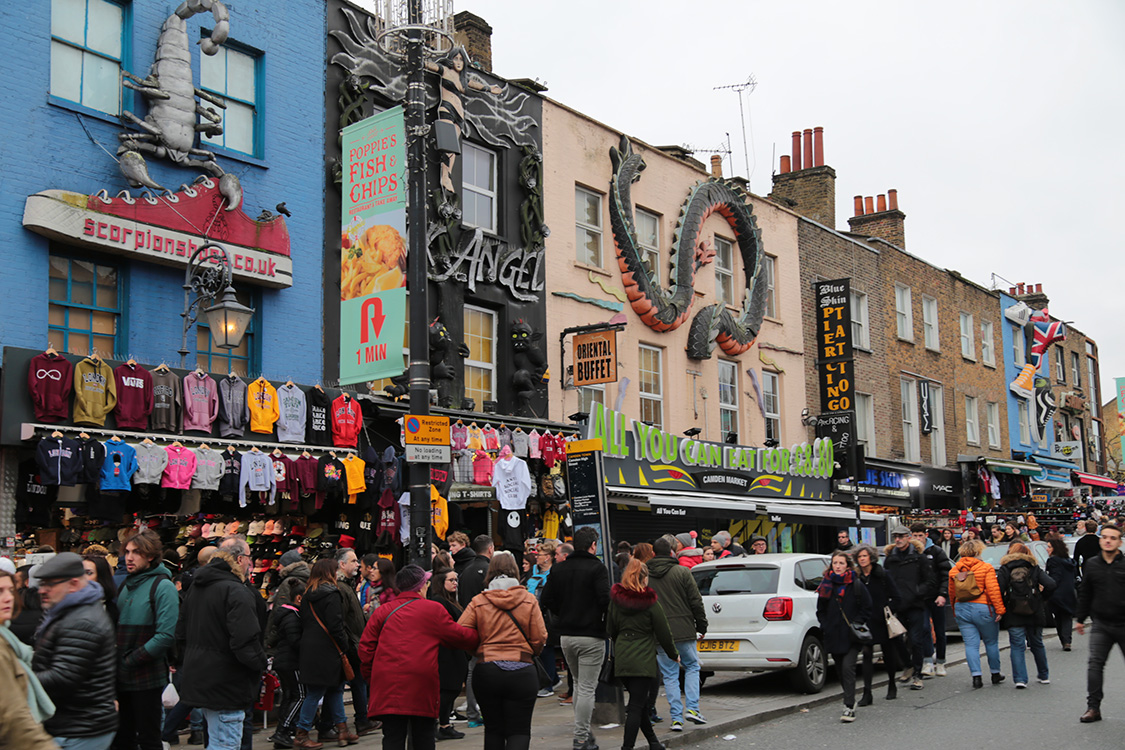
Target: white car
x=761 y=616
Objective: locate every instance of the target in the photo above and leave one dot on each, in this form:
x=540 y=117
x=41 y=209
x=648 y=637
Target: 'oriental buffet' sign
x=637 y=455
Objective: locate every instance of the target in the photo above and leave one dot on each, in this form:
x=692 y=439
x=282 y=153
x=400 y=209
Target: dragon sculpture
x=667 y=309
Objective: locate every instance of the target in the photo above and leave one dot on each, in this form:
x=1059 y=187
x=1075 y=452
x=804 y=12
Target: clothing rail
x=29 y=430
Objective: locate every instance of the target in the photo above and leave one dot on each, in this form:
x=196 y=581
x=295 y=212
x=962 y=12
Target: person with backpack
x=1026 y=588
x=978 y=606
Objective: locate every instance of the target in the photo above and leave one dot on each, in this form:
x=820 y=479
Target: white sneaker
x=927 y=670
x=939 y=669
x=1044 y=680
x=849 y=715
x=1021 y=686
x=545 y=693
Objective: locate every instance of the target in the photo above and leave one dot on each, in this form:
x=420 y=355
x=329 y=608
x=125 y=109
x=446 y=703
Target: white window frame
x=911 y=437
x=649 y=245
x=904 y=312
x=1019 y=346
x=654 y=398
x=724 y=274
x=588 y=395
x=972 y=420
x=771 y=390
x=1091 y=369
x=480 y=364
x=861 y=323
x=1023 y=413
x=1096 y=437
x=937 y=422
x=1060 y=364
x=1076 y=371
x=865 y=421
x=992 y=414
x=968 y=345
x=769 y=275
x=480 y=190
x=728 y=397
x=930 y=329
x=581 y=226
x=987 y=343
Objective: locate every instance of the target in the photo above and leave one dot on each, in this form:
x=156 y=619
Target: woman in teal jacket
x=636 y=623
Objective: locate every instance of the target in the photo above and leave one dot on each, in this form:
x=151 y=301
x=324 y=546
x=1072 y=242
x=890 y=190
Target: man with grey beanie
x=723 y=546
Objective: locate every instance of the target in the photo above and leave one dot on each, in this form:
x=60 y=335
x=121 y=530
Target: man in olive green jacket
x=679 y=596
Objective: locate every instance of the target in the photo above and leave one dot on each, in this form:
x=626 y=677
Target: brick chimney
x=879 y=218
x=804 y=183
x=475 y=35
x=1032 y=294
x=717 y=166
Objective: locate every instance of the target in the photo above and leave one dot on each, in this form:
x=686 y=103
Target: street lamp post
x=207 y=277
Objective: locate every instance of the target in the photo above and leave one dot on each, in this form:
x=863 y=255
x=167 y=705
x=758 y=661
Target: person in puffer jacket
x=687 y=553
x=913 y=575
x=978 y=617
x=1025 y=628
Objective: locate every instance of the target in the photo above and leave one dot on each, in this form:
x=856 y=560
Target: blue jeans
x=670 y=671
x=978 y=623
x=547 y=658
x=1021 y=639
x=224 y=729
x=333 y=705
x=101 y=742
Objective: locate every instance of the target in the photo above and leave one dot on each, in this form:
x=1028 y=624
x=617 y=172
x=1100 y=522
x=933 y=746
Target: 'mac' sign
x=834 y=345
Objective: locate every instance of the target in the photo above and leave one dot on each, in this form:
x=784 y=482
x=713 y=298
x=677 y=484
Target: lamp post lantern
x=207 y=277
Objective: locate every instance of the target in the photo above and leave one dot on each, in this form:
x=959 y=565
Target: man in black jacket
x=1102 y=598
x=220 y=637
x=1087 y=545
x=577 y=594
x=75 y=646
x=935 y=608
x=914 y=576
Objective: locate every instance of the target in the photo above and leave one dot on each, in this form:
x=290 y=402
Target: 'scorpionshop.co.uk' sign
x=637 y=455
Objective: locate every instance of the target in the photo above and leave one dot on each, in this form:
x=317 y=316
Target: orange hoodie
x=986 y=579
x=261 y=398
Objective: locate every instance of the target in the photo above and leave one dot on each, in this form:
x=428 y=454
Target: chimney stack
x=879 y=217
x=803 y=182
x=796 y=150
x=818 y=147
x=475 y=35
x=807 y=155
x=859 y=205
x=785 y=168
x=717 y=166
x=1032 y=294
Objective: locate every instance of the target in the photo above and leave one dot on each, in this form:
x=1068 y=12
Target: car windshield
x=726 y=581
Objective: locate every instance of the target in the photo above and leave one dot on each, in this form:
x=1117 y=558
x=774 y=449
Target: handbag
x=895 y=628
x=349 y=673
x=860 y=633
x=606 y=675
x=540 y=671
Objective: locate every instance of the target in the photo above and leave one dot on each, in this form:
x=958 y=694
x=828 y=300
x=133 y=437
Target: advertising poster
x=1120 y=383
x=373 y=248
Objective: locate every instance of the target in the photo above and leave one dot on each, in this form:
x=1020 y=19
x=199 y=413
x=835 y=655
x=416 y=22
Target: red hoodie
x=346 y=421
x=134 y=396
x=50 y=378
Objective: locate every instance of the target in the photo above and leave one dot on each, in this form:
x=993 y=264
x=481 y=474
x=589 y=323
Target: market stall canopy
x=1096 y=480
x=1019 y=468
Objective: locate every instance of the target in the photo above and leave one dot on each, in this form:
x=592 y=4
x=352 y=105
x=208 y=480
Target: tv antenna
x=749 y=85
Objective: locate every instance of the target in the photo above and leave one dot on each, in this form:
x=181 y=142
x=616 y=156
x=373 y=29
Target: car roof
x=773 y=558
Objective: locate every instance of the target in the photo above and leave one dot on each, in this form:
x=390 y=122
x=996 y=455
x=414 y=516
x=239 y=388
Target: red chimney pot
x=785 y=168
x=892 y=199
x=869 y=205
x=796 y=150
x=859 y=205
x=882 y=203
x=807 y=149
x=1012 y=291
x=818 y=147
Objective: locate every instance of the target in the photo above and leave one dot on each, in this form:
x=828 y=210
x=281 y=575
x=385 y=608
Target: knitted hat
x=411 y=578
x=687 y=539
x=722 y=537
x=290 y=557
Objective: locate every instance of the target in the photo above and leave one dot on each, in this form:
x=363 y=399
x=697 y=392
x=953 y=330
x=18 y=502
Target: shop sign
x=471 y=493
x=1073 y=403
x=878 y=482
x=595 y=358
x=926 y=415
x=373 y=248
x=834 y=320
x=585 y=478
x=1070 y=450
x=637 y=455
x=1040 y=497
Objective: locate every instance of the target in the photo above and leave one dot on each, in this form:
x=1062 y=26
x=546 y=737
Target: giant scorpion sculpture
x=171 y=124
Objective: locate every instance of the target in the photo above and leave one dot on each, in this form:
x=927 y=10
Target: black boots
x=978 y=682
x=892 y=690
x=865 y=699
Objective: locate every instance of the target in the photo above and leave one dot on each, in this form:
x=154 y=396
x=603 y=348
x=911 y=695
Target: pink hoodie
x=180 y=468
x=201 y=402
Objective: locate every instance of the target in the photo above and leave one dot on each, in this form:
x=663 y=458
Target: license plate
x=718 y=645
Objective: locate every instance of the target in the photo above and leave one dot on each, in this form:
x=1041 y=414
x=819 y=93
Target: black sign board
x=837 y=386
x=924 y=407
x=833 y=320
x=584 y=476
x=840 y=426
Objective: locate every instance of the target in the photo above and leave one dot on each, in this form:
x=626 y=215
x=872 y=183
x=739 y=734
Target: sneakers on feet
x=1044 y=680
x=917 y=684
x=474 y=723
x=677 y=726
x=906 y=674
x=457 y=717
x=927 y=670
x=694 y=717
x=849 y=715
x=545 y=693
x=1021 y=686
x=939 y=669
x=449 y=733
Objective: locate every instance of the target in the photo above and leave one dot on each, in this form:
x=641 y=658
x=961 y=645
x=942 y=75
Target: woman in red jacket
x=398 y=655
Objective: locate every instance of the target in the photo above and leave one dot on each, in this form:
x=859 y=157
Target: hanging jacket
x=256 y=475
x=262 y=400
x=95 y=393
x=50 y=378
x=504 y=434
x=232 y=471
x=151 y=462
x=234 y=410
x=318 y=405
x=180 y=468
x=167 y=401
x=482 y=468
x=119 y=467
x=59 y=461
x=284 y=473
x=292 y=414
x=458 y=435
x=491 y=438
x=92 y=454
x=208 y=469
x=346 y=421
x=201 y=402
x=476 y=438
x=512 y=481
x=134 y=396
x=306 y=468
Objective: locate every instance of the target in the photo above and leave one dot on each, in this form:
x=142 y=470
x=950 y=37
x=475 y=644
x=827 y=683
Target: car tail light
x=779 y=608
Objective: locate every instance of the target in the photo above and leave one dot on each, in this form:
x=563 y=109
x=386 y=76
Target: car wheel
x=812 y=666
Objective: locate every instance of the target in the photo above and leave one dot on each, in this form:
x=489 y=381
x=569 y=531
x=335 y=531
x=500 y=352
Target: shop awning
x=1097 y=480
x=832 y=514
x=710 y=502
x=1005 y=466
x=1054 y=474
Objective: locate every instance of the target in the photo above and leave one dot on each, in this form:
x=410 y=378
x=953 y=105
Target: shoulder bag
x=860 y=633
x=540 y=672
x=349 y=673
x=895 y=628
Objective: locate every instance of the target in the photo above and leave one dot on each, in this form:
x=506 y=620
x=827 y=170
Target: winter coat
x=985 y=576
x=577 y=593
x=1102 y=593
x=1064 y=572
x=220 y=638
x=354 y=621
x=883 y=593
x=148 y=609
x=18 y=729
x=679 y=598
x=1085 y=549
x=470 y=575
x=76 y=649
x=453 y=663
x=398 y=654
x=637 y=625
x=940 y=562
x=690 y=557
x=951 y=549
x=855 y=604
x=290 y=574
x=1039 y=578
x=913 y=575
x=500 y=638
x=286 y=643
x=320 y=662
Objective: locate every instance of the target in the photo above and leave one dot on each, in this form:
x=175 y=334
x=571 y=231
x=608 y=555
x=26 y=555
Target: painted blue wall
x=1011 y=370
x=45 y=146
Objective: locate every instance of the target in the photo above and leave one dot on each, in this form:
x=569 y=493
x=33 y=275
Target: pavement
x=752 y=708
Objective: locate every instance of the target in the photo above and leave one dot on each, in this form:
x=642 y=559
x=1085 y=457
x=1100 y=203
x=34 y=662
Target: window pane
x=55 y=339
x=66 y=72
x=101 y=84
x=78 y=343
x=589 y=209
x=56 y=315
x=240 y=76
x=79 y=319
x=238 y=127
x=212 y=71
x=68 y=20
x=103 y=30
x=103 y=322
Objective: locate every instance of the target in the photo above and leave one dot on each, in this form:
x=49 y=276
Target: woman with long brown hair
x=842 y=602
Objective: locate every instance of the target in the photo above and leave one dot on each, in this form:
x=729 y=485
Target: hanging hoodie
x=151 y=462
x=232 y=470
x=519 y=443
x=306 y=468
x=482 y=468
x=512 y=481
x=459 y=435
x=330 y=482
x=234 y=411
x=180 y=468
x=346 y=421
x=391 y=479
x=533 y=444
x=59 y=461
x=134 y=396
x=439 y=513
x=372 y=475
x=209 y=469
x=119 y=467
x=353 y=471
x=201 y=402
x=476 y=438
x=257 y=476
x=93 y=457
x=50 y=378
x=505 y=436
x=284 y=474
x=318 y=406
x=167 y=401
x=491 y=438
x=292 y=414
x=262 y=398
x=95 y=393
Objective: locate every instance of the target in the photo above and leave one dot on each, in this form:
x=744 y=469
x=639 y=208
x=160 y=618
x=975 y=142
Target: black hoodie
x=60 y=461
x=319 y=427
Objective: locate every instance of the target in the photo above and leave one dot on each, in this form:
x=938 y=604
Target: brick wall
x=475 y=35
x=886 y=225
x=810 y=192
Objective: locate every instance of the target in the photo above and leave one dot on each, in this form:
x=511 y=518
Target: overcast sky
x=1000 y=123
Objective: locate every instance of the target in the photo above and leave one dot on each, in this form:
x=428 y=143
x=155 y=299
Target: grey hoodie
x=209 y=465
x=234 y=412
x=291 y=423
x=151 y=461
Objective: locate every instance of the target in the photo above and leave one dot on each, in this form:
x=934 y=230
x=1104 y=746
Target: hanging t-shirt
x=533 y=444
x=353 y=472
x=513 y=528
x=33 y=498
x=318 y=431
x=512 y=481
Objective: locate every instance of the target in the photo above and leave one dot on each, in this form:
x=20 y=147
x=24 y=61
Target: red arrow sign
x=371 y=317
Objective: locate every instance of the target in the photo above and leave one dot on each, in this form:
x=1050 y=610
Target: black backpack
x=1022 y=596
